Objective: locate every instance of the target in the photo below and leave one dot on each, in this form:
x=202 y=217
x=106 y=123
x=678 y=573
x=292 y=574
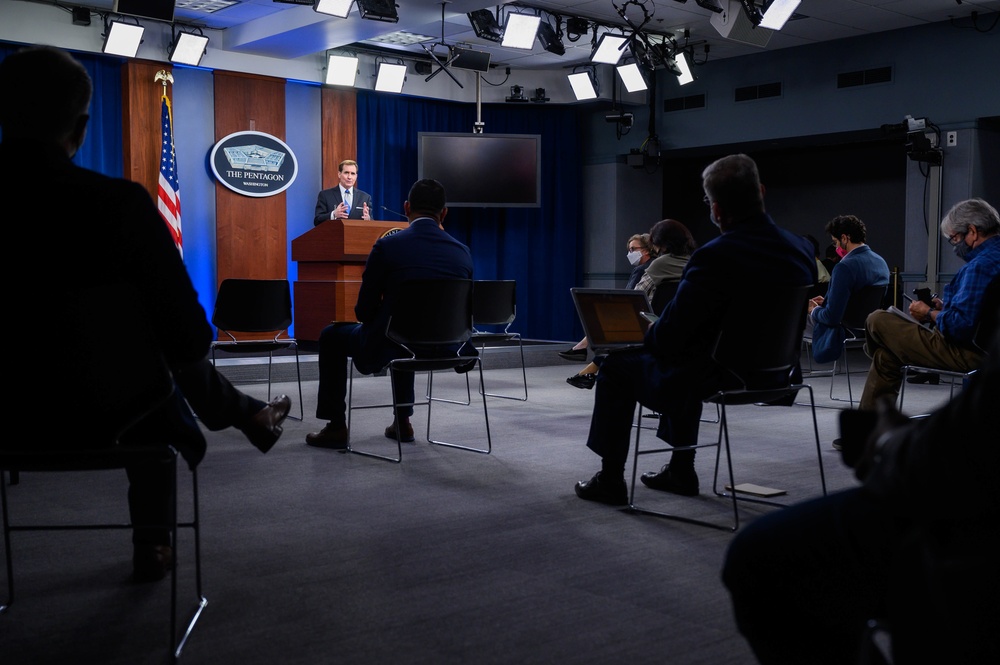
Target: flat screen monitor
x=483 y=170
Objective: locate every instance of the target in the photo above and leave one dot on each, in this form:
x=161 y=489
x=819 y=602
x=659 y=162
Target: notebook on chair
x=612 y=318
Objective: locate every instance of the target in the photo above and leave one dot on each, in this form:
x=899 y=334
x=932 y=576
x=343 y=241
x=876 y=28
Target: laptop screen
x=612 y=317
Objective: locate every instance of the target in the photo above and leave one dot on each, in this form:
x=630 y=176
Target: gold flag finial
x=166 y=77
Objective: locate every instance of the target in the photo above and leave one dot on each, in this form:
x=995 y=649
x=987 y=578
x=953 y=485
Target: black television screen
x=483 y=170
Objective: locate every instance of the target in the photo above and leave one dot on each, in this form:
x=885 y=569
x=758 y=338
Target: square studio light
x=485 y=25
x=685 y=76
x=122 y=39
x=631 y=77
x=390 y=77
x=583 y=86
x=341 y=69
x=610 y=49
x=778 y=13
x=338 y=8
x=520 y=30
x=378 y=10
x=188 y=49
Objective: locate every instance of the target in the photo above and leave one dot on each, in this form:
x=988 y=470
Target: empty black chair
x=431 y=320
x=244 y=308
x=494 y=304
x=760 y=359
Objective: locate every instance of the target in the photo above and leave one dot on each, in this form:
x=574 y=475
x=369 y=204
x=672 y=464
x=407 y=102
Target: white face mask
x=633 y=257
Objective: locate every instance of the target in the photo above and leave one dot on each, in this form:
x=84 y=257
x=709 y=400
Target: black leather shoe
x=924 y=377
x=264 y=428
x=574 y=354
x=334 y=438
x=837 y=445
x=405 y=435
x=151 y=563
x=582 y=381
x=684 y=483
x=603 y=489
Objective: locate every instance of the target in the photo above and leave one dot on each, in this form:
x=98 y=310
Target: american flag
x=168 y=194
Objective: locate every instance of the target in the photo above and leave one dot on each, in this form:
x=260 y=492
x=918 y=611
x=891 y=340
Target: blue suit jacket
x=745 y=262
x=328 y=200
x=860 y=268
x=421 y=251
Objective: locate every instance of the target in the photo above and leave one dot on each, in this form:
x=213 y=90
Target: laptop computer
x=612 y=318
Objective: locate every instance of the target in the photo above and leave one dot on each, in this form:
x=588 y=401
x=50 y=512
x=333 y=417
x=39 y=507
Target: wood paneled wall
x=339 y=131
x=250 y=231
x=141 y=122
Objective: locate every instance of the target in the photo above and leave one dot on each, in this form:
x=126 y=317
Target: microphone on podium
x=398 y=214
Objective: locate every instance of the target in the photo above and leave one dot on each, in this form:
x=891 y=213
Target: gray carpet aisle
x=315 y=556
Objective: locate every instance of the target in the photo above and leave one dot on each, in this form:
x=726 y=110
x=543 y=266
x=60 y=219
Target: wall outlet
x=952 y=138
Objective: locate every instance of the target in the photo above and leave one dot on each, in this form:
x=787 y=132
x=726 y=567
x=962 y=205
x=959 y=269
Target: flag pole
x=168 y=197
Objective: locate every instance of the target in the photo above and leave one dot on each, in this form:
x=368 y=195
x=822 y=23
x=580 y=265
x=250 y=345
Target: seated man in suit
x=859 y=268
x=674 y=371
x=972 y=227
x=424 y=250
x=109 y=239
x=345 y=201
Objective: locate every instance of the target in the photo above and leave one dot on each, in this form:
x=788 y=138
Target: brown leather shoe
x=334 y=438
x=264 y=428
x=405 y=434
x=151 y=563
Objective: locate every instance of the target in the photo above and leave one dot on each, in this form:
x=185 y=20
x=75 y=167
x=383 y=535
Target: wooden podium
x=331 y=258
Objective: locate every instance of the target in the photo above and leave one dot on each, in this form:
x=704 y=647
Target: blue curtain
x=540 y=248
x=102 y=151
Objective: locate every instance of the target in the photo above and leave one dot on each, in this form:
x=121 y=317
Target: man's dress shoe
x=684 y=483
x=151 y=563
x=334 y=438
x=582 y=381
x=574 y=354
x=603 y=489
x=264 y=428
x=405 y=434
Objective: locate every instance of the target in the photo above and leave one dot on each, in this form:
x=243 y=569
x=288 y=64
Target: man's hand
x=365 y=212
x=814 y=303
x=340 y=212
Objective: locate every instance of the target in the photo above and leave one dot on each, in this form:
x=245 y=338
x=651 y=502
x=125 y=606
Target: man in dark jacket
x=674 y=371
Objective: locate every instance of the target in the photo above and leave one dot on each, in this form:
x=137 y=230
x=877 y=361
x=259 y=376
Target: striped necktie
x=347 y=200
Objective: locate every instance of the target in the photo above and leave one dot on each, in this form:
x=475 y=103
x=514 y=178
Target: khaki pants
x=892 y=341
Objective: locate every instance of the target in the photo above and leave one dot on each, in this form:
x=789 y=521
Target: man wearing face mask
x=972 y=228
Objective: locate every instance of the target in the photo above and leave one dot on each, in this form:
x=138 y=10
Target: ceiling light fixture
x=390 y=77
x=341 y=69
x=378 y=10
x=188 y=48
x=520 y=30
x=777 y=13
x=583 y=85
x=338 y=8
x=122 y=38
x=609 y=49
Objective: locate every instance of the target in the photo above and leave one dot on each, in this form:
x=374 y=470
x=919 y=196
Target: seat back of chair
x=862 y=303
x=253 y=305
x=664 y=293
x=761 y=344
x=494 y=302
x=432 y=312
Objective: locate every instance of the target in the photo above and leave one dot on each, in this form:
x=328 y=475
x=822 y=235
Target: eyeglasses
x=955 y=238
x=635 y=249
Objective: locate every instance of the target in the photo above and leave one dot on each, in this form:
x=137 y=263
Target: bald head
x=44 y=95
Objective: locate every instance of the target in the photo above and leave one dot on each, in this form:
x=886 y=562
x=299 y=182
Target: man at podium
x=424 y=250
x=345 y=201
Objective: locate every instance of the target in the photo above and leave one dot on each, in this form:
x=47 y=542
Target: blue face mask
x=961 y=249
